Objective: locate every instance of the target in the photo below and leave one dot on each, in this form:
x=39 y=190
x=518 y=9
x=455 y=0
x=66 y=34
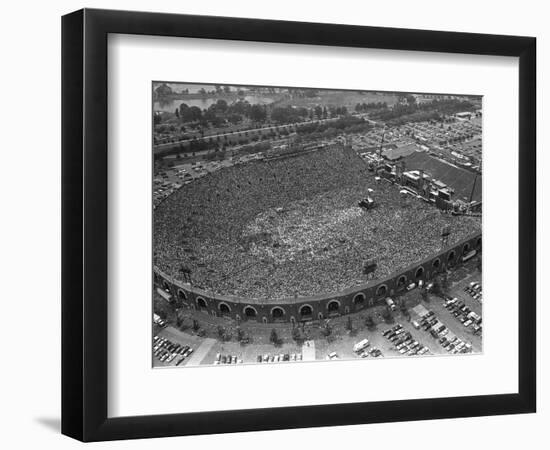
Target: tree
x=404 y=311
x=297 y=335
x=326 y=329
x=349 y=324
x=221 y=105
x=444 y=282
x=369 y=322
x=318 y=111
x=242 y=336
x=257 y=113
x=424 y=293
x=227 y=335
x=387 y=315
x=274 y=337
x=436 y=289
x=163 y=90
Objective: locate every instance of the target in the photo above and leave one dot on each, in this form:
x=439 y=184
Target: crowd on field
x=292 y=227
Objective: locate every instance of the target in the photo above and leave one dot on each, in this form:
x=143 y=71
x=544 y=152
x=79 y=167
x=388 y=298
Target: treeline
x=364 y=107
x=221 y=111
x=288 y=114
x=316 y=130
x=419 y=112
x=187 y=117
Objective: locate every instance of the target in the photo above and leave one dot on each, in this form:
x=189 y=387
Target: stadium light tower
x=186 y=273
x=445 y=233
x=382 y=142
x=370 y=267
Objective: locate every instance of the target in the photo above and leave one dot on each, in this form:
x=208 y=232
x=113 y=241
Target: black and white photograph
x=304 y=224
x=269 y=225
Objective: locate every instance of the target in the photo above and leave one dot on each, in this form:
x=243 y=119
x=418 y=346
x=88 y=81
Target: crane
x=382 y=142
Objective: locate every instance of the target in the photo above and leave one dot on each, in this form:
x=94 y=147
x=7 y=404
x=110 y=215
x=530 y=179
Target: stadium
x=301 y=236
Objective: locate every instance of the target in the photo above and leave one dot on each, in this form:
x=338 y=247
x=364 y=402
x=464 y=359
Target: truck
x=360 y=346
x=391 y=304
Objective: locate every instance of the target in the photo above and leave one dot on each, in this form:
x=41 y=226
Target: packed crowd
x=292 y=227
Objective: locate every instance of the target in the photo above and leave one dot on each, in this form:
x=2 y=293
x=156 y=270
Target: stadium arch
x=401 y=282
x=250 y=312
x=201 y=303
x=278 y=313
x=224 y=308
x=451 y=258
x=306 y=312
x=333 y=306
x=382 y=290
x=359 y=300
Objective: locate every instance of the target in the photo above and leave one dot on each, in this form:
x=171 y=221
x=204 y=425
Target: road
x=160 y=147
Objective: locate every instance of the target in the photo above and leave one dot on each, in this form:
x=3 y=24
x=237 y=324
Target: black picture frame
x=84 y=224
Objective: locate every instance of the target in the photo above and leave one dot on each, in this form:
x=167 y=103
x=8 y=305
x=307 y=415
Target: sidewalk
x=201 y=352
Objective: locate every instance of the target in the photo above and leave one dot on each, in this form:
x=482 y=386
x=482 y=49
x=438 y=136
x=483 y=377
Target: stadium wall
x=320 y=306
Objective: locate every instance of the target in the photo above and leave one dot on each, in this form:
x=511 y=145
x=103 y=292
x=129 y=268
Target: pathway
x=201 y=352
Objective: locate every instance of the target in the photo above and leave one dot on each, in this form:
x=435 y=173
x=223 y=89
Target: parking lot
x=446 y=316
x=416 y=340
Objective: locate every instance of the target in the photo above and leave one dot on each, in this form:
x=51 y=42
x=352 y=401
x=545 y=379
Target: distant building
x=464 y=115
